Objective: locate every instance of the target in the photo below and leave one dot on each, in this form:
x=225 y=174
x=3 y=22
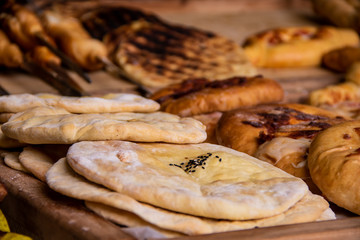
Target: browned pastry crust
x=334 y=164
x=341 y=59
x=247 y=129
x=296 y=46
x=199 y=96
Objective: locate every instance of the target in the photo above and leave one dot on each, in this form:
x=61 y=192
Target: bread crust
x=199 y=96
x=296 y=46
x=247 y=129
x=334 y=164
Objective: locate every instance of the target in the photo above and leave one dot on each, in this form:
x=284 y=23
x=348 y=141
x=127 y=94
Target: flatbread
x=11 y=160
x=46 y=125
x=4 y=117
x=157 y=55
x=36 y=161
x=6 y=142
x=201 y=179
x=129 y=219
x=63 y=179
x=121 y=102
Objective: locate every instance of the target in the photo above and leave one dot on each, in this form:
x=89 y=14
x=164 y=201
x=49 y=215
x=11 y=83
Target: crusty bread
x=247 y=129
x=200 y=96
x=334 y=164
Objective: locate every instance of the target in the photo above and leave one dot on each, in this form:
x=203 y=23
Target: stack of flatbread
x=150 y=169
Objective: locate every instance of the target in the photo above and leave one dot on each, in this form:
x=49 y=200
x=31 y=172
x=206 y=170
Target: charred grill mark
x=264 y=137
x=357 y=130
x=310 y=134
x=321 y=125
x=177 y=55
x=300 y=115
x=101 y=21
x=254 y=124
x=346 y=136
x=272 y=121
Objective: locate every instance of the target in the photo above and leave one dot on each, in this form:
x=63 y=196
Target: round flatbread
x=201 y=179
x=64 y=180
x=37 y=161
x=121 y=102
x=46 y=125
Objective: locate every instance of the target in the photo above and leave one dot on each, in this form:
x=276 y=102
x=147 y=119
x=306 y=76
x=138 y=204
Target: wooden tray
x=33 y=209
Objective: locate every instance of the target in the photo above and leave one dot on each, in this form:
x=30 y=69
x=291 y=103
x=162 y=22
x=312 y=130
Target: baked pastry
x=47 y=125
x=342 y=13
x=341 y=59
x=288 y=128
x=342 y=98
x=296 y=46
x=334 y=164
x=200 y=96
x=157 y=55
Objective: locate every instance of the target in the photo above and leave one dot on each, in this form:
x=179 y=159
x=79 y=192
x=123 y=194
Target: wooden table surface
x=35 y=210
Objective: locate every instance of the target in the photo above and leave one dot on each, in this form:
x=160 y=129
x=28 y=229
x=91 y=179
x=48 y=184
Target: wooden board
x=33 y=209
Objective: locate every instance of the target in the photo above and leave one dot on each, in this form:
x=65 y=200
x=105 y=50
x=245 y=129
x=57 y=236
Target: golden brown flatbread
x=46 y=125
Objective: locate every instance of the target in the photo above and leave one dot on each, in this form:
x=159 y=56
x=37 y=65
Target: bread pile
x=150 y=168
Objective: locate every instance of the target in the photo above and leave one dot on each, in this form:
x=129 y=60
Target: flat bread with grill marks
x=157 y=55
x=200 y=96
x=48 y=125
x=288 y=128
x=200 y=179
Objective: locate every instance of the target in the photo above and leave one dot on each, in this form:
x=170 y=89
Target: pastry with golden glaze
x=296 y=46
